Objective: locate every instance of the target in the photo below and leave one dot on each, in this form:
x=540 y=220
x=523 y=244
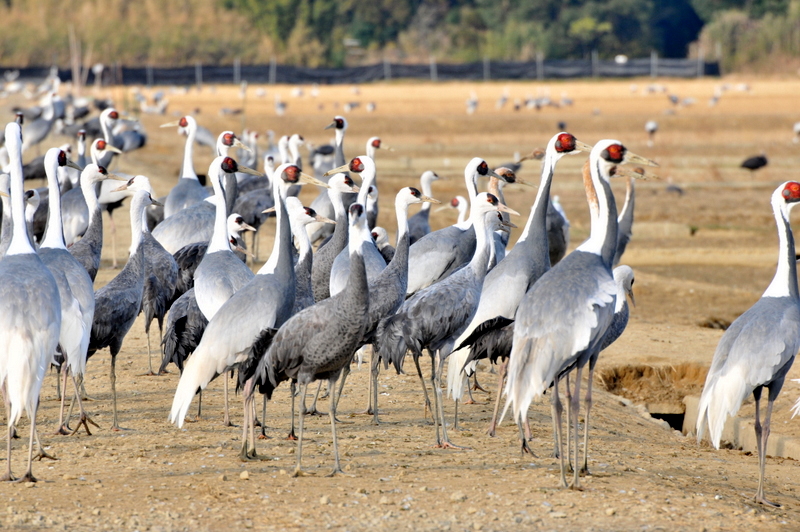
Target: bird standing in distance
x=312 y=346
x=651 y=127
x=30 y=314
x=562 y=319
x=758 y=349
x=755 y=162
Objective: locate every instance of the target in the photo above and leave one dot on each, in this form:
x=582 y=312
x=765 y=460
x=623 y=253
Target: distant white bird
x=472 y=103
x=651 y=126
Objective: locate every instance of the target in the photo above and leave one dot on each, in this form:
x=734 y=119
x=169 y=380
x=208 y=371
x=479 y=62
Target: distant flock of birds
x=305 y=316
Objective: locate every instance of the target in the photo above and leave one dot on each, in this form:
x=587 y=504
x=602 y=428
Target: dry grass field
x=703 y=256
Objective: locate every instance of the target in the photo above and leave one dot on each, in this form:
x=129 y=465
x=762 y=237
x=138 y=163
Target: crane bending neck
x=784 y=284
x=187 y=171
x=219 y=239
x=538 y=213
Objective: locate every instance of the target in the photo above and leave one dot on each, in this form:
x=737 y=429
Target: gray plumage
x=118 y=303
x=183 y=330
x=35 y=131
x=340 y=184
x=300 y=217
x=759 y=347
x=312 y=346
x=557 y=237
x=625 y=222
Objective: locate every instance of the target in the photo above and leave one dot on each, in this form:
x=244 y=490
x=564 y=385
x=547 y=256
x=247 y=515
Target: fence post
x=594 y=63
x=653 y=64
x=487 y=75
x=149 y=70
x=539 y=66
x=387 y=70
x=237 y=71
x=272 y=70
x=198 y=75
x=434 y=71
x=701 y=60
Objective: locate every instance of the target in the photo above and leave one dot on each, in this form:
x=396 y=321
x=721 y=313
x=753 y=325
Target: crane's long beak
x=338 y=170
x=4 y=195
x=237 y=247
x=429 y=199
x=526 y=183
x=631 y=157
x=508 y=225
x=492 y=173
x=324 y=220
x=356 y=188
x=582 y=146
x=331 y=125
x=75 y=166
x=111 y=148
x=309 y=180
x=171 y=124
x=506 y=208
x=268 y=211
x=239 y=144
x=156 y=203
x=630 y=295
x=116 y=177
x=247 y=170
x=121 y=188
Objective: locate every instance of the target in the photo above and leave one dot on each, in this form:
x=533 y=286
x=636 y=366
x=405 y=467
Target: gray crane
x=30 y=314
x=419 y=224
x=118 y=303
x=340 y=270
x=758 y=349
x=381 y=238
x=87 y=250
x=299 y=218
x=339 y=185
x=562 y=319
x=75 y=290
x=438 y=254
x=35 y=131
x=161 y=273
x=434 y=317
x=108 y=119
x=188 y=190
x=259 y=307
x=523 y=266
x=311 y=346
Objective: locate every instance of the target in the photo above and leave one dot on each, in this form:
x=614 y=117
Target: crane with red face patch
x=758 y=349
x=188 y=190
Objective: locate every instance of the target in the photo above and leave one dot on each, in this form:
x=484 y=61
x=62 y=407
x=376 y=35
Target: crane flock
x=454 y=293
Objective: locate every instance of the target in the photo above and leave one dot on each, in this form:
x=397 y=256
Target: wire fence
x=272 y=73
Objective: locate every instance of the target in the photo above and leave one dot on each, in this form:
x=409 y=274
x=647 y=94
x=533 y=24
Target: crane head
x=791 y=192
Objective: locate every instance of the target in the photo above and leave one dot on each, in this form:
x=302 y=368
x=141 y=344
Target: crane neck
x=90 y=197
x=483 y=242
x=187 y=169
x=54 y=233
x=471 y=180
x=20 y=243
x=281 y=257
x=427 y=190
x=537 y=220
x=338 y=152
x=367 y=180
x=219 y=238
x=629 y=200
x=603 y=238
x=784 y=284
x=137 y=220
x=303 y=242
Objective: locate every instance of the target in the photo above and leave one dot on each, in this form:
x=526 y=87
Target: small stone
x=558 y=515
x=384 y=500
x=223 y=478
x=458 y=497
x=472 y=510
x=96 y=511
x=244 y=475
x=718 y=497
x=477 y=526
x=282 y=472
x=610 y=511
x=30 y=484
x=69 y=477
x=361 y=490
x=324 y=500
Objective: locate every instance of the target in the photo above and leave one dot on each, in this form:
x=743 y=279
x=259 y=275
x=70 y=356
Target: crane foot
x=765 y=502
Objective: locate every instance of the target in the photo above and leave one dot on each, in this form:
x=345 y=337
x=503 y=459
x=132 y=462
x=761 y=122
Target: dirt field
x=700 y=258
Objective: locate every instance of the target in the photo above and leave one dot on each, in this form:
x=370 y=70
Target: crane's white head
x=362 y=163
x=138 y=182
x=236 y=225
x=342 y=183
x=565 y=144
x=338 y=122
x=486 y=202
x=100 y=145
x=623 y=276
x=31 y=203
x=109 y=115
x=607 y=153
x=411 y=195
x=184 y=125
x=380 y=236
x=377 y=144
x=228 y=140
x=94 y=174
x=55 y=158
x=13 y=137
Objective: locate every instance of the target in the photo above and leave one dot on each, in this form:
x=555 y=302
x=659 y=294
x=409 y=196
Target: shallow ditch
x=660 y=388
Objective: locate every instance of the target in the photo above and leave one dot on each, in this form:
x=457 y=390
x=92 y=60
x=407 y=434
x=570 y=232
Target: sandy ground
x=701 y=257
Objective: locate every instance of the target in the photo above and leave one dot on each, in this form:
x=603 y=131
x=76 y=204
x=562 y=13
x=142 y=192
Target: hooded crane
x=118 y=303
x=30 y=314
x=758 y=349
x=312 y=346
x=434 y=317
x=562 y=319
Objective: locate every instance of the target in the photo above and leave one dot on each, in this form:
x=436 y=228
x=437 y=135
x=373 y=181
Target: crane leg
x=375 y=369
x=437 y=390
x=293 y=390
x=41 y=453
x=332 y=412
x=588 y=402
x=575 y=406
x=762 y=433
x=63 y=426
x=8 y=476
x=369 y=410
x=226 y=420
x=248 y=425
x=568 y=394
x=500 y=383
x=28 y=476
x=557 y=410
x=199 y=404
x=342 y=379
x=263 y=435
x=313 y=410
x=150 y=371
x=113 y=375
x=424 y=390
x=298 y=472
x=475 y=385
x=113 y=241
